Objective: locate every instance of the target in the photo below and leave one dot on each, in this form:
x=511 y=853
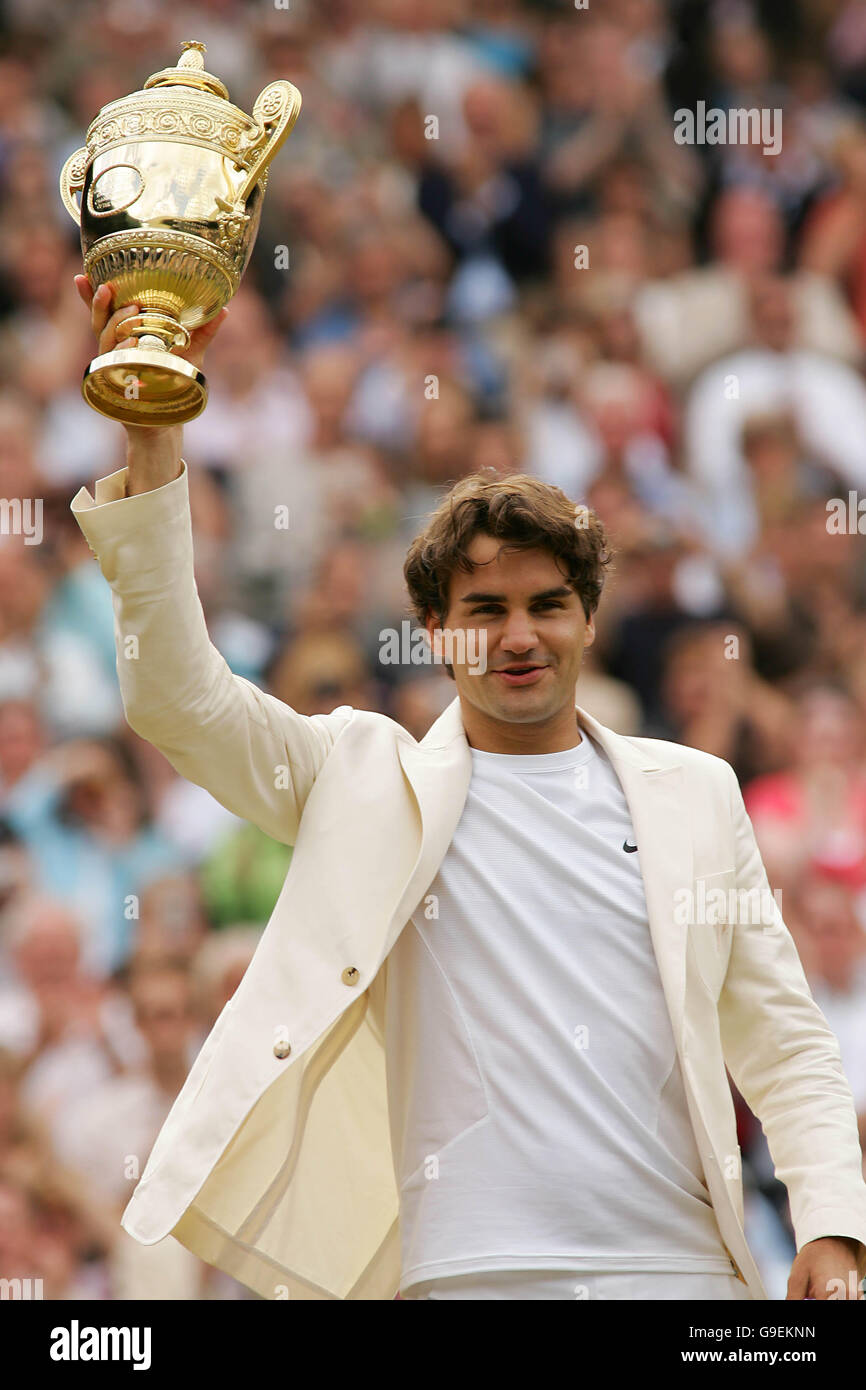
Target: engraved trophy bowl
x=171 y=183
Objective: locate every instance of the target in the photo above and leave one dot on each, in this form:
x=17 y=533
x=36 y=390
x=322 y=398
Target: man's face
x=528 y=626
x=163 y=1014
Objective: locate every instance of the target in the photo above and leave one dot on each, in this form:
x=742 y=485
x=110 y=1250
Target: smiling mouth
x=520 y=675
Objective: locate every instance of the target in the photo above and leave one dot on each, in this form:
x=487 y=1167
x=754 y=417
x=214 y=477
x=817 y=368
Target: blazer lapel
x=439 y=769
x=654 y=794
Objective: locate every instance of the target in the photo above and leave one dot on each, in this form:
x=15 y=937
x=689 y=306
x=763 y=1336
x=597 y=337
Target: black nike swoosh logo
x=629 y=849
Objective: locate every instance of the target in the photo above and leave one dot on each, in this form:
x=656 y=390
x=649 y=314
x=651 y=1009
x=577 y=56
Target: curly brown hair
x=525 y=514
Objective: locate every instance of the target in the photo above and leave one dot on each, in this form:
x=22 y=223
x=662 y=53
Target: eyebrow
x=562 y=591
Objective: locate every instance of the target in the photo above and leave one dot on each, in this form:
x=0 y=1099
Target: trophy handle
x=276 y=110
x=72 y=177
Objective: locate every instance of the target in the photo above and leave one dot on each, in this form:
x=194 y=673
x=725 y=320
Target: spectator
x=814 y=811
x=701 y=314
x=826 y=398
x=81 y=812
x=838 y=980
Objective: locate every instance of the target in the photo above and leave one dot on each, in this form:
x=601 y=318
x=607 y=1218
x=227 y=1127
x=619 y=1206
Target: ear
x=589 y=635
x=433 y=628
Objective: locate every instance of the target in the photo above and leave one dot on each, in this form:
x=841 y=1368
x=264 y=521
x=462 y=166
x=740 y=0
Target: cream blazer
x=275 y=1161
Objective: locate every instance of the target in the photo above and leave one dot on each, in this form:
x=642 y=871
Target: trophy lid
x=190 y=72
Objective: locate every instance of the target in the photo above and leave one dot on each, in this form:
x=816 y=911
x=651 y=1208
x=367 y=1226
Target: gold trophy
x=171 y=182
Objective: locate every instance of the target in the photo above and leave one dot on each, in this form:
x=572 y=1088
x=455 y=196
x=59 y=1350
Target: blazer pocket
x=714 y=908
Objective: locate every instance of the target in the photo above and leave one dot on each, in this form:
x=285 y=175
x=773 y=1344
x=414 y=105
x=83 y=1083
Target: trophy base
x=141 y=386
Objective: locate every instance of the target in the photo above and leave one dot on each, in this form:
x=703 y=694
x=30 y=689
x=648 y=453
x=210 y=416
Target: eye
x=486 y=608
x=549 y=603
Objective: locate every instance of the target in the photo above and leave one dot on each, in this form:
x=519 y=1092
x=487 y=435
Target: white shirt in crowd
x=827 y=400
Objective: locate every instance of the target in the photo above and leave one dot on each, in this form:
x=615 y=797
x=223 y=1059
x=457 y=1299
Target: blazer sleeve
x=786 y=1063
x=255 y=754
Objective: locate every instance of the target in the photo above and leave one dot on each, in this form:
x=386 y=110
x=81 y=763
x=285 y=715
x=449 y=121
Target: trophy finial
x=190 y=72
x=192 y=55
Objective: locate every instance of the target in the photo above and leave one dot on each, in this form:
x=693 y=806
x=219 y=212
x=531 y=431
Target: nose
x=519 y=635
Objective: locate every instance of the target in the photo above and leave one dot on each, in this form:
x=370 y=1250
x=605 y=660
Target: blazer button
x=350 y=975
x=282 y=1049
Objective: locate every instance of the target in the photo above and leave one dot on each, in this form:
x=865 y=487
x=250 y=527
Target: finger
x=84 y=288
x=100 y=307
x=113 y=330
x=798 y=1284
x=202 y=337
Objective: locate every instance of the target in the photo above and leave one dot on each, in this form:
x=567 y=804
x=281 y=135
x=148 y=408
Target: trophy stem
x=155 y=329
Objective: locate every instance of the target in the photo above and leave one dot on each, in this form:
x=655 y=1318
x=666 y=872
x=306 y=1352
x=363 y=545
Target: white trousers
x=525 y=1284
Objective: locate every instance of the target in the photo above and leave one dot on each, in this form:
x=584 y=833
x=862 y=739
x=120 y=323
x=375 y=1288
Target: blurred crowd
x=481 y=247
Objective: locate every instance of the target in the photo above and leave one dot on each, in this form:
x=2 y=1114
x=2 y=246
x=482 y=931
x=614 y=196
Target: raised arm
x=256 y=755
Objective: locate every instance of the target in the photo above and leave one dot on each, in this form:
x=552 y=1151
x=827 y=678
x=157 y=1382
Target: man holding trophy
x=395 y=1098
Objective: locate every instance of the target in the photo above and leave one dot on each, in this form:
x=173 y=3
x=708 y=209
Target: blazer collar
x=449 y=726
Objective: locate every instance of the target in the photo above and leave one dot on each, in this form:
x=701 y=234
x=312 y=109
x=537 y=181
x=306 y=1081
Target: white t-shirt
x=536 y=989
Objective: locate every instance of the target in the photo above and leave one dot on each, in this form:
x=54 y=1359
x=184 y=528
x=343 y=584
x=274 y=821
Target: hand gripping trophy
x=171 y=183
